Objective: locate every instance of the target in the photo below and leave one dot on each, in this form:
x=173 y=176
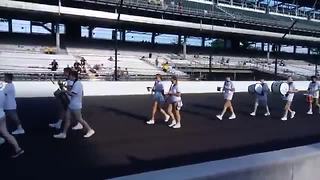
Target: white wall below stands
x=300 y=163
x=111 y=88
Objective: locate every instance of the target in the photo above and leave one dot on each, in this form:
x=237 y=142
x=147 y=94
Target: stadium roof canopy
x=304 y=3
x=300 y=3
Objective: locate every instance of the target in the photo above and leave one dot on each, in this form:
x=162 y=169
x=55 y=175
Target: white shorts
x=290 y=97
x=228 y=96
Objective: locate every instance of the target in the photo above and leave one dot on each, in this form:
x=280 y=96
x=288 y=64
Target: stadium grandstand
x=246 y=30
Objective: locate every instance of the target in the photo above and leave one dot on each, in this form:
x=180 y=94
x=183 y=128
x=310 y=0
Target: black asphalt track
x=124 y=144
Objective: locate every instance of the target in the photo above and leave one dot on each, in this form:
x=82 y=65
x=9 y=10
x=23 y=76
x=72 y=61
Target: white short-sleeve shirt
x=76 y=98
x=2 y=99
x=228 y=87
x=314 y=89
x=10 y=97
x=173 y=90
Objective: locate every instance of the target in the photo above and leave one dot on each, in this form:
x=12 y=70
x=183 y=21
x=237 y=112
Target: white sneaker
x=56 y=125
x=284 y=118
x=2 y=141
x=167 y=118
x=18 y=131
x=219 y=117
x=173 y=123
x=267 y=114
x=253 y=114
x=151 y=121
x=60 y=136
x=309 y=112
x=77 y=127
x=233 y=116
x=292 y=114
x=89 y=133
x=177 y=126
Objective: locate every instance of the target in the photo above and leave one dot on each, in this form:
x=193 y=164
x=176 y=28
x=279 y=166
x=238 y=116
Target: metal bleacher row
x=31 y=63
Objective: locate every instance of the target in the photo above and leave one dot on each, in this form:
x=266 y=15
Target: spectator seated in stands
x=126 y=74
x=83 y=61
x=83 y=64
x=222 y=60
x=143 y=58
x=54 y=65
x=165 y=67
x=110 y=58
x=157 y=62
x=76 y=66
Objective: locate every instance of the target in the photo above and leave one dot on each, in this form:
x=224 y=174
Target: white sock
x=223 y=111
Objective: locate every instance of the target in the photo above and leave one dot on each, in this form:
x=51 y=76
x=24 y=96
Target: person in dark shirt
x=83 y=62
x=76 y=66
x=54 y=65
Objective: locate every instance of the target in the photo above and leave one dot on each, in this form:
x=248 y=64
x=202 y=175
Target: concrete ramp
x=300 y=163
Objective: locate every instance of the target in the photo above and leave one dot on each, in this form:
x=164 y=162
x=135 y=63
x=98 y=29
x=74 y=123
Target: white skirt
x=289 y=97
x=228 y=96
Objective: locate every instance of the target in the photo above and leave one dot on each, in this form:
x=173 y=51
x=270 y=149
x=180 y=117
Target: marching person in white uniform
x=74 y=108
x=10 y=104
x=262 y=99
x=313 y=94
x=158 y=100
x=174 y=103
x=63 y=106
x=289 y=98
x=228 y=91
x=4 y=131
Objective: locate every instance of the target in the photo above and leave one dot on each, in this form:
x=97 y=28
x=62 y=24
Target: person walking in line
x=313 y=94
x=10 y=104
x=289 y=98
x=4 y=131
x=158 y=100
x=75 y=108
x=262 y=99
x=228 y=90
x=174 y=103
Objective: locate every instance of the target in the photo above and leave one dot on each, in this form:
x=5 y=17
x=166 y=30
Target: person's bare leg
x=267 y=109
x=177 y=115
x=231 y=108
x=169 y=111
x=167 y=117
x=15 y=118
x=13 y=115
x=225 y=107
x=310 y=106
x=286 y=109
x=154 y=110
x=78 y=117
x=67 y=122
x=8 y=137
x=256 y=104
